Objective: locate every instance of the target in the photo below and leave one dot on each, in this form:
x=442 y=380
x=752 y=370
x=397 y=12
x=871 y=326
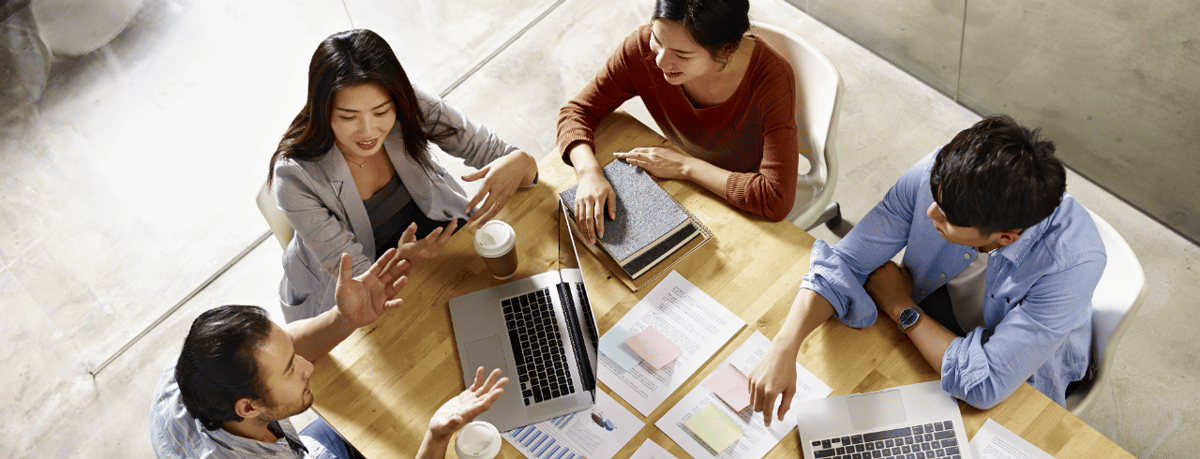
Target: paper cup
x=496 y=242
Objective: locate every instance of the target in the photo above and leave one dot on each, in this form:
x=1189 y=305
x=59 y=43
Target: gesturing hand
x=660 y=162
x=501 y=179
x=364 y=298
x=773 y=376
x=419 y=251
x=472 y=402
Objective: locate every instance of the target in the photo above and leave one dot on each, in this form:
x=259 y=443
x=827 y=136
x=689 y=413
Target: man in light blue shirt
x=1000 y=258
x=240 y=377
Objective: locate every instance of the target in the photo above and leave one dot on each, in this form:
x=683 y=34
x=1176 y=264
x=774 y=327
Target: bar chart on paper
x=542 y=445
x=598 y=432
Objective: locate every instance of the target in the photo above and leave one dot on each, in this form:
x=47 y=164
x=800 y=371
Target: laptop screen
x=580 y=320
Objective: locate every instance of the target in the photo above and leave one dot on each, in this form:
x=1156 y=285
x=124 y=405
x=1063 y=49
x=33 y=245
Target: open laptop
x=913 y=421
x=540 y=332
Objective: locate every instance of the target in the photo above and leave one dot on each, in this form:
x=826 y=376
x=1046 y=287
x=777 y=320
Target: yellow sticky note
x=714 y=428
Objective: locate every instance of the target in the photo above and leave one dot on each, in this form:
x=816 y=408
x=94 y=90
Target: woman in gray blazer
x=354 y=173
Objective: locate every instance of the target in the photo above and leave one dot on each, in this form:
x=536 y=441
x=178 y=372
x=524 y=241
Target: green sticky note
x=714 y=428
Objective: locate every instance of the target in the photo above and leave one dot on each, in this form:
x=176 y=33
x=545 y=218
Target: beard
x=277 y=411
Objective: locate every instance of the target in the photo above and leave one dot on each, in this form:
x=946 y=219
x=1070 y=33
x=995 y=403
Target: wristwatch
x=908 y=318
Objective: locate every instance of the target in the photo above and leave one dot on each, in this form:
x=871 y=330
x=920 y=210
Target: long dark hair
x=347 y=59
x=713 y=24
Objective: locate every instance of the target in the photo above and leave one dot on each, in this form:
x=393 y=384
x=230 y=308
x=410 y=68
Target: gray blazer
x=328 y=216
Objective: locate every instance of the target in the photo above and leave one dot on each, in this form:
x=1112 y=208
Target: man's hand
x=501 y=179
x=419 y=251
x=363 y=299
x=773 y=376
x=890 y=287
x=463 y=408
x=662 y=162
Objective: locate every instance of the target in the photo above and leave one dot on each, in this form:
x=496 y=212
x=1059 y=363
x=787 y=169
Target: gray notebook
x=649 y=226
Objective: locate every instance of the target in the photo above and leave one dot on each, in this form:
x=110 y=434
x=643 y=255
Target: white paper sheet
x=994 y=441
x=651 y=450
x=757 y=440
x=598 y=432
x=691 y=319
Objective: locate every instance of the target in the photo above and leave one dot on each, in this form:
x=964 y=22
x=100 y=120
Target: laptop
x=541 y=333
x=910 y=422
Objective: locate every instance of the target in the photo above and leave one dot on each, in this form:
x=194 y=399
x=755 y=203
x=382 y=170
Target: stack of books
x=649 y=228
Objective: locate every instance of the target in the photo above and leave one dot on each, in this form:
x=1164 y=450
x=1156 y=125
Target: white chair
x=818 y=103
x=1116 y=299
x=281 y=227
x=78 y=27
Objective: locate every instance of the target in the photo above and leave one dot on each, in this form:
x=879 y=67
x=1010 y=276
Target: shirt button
x=943 y=275
x=922 y=291
x=966 y=256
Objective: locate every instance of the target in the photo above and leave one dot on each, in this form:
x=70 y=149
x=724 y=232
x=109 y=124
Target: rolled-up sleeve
x=838 y=273
x=474 y=143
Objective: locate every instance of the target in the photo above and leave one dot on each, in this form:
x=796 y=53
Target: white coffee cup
x=496 y=242
x=477 y=440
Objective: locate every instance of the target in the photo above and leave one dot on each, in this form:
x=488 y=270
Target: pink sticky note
x=731 y=386
x=654 y=348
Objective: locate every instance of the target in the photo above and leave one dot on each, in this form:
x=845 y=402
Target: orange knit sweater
x=753 y=134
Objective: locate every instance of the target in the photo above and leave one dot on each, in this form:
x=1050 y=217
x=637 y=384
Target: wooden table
x=380 y=386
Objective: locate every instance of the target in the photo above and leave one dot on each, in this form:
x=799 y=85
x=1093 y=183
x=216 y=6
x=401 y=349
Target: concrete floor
x=128 y=190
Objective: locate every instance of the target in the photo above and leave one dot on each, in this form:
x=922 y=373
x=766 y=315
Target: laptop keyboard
x=922 y=441
x=537 y=347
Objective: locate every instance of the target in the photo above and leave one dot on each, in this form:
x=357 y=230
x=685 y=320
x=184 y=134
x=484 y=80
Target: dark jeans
x=324 y=443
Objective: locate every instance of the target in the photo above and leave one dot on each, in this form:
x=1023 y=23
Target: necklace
x=360 y=166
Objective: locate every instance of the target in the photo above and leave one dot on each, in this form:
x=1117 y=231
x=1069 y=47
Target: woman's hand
x=773 y=376
x=419 y=251
x=592 y=198
x=468 y=404
x=501 y=178
x=661 y=162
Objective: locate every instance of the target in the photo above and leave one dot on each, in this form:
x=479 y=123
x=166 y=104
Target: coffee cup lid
x=494 y=238
x=477 y=439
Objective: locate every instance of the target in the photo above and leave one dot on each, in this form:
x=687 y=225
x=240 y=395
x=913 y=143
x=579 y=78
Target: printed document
x=756 y=440
x=994 y=441
x=651 y=450
x=686 y=316
x=598 y=432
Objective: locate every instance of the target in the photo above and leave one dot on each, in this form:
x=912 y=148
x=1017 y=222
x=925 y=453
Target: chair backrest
x=276 y=219
x=1116 y=299
x=1120 y=292
x=818 y=103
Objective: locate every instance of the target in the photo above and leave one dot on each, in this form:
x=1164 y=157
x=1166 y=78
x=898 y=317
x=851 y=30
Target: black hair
x=713 y=24
x=997 y=176
x=217 y=366
x=346 y=59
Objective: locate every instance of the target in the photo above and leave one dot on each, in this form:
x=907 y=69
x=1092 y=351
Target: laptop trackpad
x=876 y=409
x=487 y=353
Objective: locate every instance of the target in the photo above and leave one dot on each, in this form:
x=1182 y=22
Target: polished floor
x=128 y=189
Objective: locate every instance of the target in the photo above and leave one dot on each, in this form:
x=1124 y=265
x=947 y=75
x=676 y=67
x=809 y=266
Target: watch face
x=908 y=317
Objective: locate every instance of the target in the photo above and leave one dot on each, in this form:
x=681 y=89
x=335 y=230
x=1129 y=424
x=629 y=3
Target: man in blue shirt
x=997 y=278
x=240 y=377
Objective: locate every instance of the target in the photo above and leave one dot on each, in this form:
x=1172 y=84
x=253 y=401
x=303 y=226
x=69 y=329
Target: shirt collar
x=1017 y=251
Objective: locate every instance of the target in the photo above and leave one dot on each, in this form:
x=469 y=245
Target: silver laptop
x=913 y=421
x=540 y=332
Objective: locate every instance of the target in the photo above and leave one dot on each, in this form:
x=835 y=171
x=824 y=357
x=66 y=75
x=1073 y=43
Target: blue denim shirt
x=1037 y=302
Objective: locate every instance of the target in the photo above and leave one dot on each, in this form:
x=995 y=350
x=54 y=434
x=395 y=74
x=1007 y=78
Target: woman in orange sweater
x=721 y=95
